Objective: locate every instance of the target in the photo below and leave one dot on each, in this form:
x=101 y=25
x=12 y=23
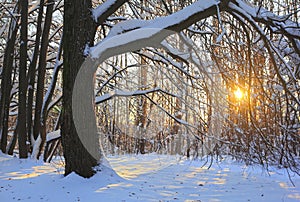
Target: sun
x=238 y=94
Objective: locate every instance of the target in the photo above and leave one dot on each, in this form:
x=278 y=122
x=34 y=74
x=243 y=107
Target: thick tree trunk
x=78 y=32
x=23 y=153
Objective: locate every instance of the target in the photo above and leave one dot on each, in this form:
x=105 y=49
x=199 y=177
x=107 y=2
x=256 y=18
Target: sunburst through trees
x=226 y=84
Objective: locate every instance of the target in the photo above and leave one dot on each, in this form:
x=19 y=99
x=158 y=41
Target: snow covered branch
x=148 y=30
x=276 y=24
x=103 y=11
x=120 y=93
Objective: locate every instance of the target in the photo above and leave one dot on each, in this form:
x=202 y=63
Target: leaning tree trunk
x=39 y=130
x=32 y=70
x=42 y=71
x=78 y=32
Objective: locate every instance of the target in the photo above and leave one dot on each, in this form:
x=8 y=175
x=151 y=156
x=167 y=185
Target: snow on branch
x=103 y=11
x=127 y=26
x=278 y=24
x=148 y=29
x=121 y=93
x=53 y=135
x=219 y=38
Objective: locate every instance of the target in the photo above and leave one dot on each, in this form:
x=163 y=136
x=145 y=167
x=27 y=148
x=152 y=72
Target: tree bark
x=141 y=118
x=48 y=97
x=78 y=32
x=42 y=70
x=6 y=83
x=31 y=71
x=22 y=82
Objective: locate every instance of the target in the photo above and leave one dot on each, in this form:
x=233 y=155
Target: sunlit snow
x=148 y=177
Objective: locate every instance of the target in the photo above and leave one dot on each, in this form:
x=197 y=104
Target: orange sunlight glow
x=238 y=94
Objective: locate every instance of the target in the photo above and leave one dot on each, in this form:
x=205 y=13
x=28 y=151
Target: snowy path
x=144 y=178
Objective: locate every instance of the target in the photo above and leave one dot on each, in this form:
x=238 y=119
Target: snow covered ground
x=145 y=178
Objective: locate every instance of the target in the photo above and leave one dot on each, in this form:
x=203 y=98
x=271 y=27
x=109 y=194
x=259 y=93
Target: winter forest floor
x=145 y=178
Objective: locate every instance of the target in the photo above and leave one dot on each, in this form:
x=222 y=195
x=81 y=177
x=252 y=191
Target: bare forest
x=225 y=83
